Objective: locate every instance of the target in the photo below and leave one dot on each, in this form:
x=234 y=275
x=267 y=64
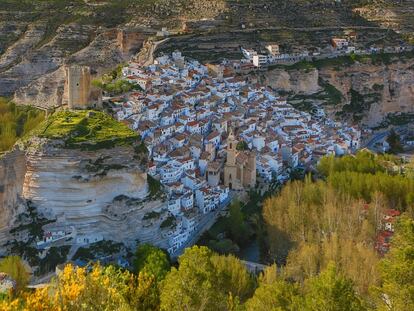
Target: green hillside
x=86 y=129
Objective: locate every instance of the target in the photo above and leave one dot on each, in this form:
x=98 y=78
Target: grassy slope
x=87 y=130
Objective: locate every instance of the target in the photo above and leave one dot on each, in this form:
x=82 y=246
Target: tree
x=97 y=83
x=16 y=121
x=101 y=289
x=330 y=291
x=397 y=269
x=223 y=246
x=280 y=296
x=394 y=140
x=152 y=261
x=355 y=260
x=154 y=186
x=17 y=270
x=194 y=285
x=242 y=145
x=233 y=276
x=205 y=280
x=237 y=225
x=274 y=293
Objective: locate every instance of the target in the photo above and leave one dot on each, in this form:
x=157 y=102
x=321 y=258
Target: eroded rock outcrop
x=102 y=194
x=387 y=88
x=296 y=81
x=382 y=88
x=93 y=186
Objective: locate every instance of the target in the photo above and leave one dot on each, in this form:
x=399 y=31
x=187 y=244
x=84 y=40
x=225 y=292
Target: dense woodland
x=321 y=232
x=15 y=122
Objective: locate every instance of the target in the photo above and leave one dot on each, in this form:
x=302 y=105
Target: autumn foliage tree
x=311 y=223
x=331 y=291
x=15 y=122
x=103 y=288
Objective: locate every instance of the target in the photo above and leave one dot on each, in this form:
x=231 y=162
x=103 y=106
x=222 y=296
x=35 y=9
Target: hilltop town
x=213 y=134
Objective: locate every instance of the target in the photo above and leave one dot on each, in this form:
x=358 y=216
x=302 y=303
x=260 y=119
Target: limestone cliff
x=38 y=38
x=296 y=81
x=383 y=88
x=12 y=174
x=81 y=172
x=370 y=90
x=100 y=193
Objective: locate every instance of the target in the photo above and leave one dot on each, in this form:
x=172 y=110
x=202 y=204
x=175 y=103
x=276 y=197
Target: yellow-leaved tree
x=102 y=288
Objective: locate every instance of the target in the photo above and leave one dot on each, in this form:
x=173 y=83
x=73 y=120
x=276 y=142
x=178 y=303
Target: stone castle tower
x=130 y=40
x=79 y=91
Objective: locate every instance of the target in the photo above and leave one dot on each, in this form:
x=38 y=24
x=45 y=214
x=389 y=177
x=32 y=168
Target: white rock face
x=100 y=194
x=59 y=183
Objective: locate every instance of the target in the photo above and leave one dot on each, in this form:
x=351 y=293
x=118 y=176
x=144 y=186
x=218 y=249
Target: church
x=240 y=167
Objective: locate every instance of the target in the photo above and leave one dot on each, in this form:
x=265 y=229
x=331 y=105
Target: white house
x=187 y=200
x=171 y=171
x=174 y=205
x=205 y=200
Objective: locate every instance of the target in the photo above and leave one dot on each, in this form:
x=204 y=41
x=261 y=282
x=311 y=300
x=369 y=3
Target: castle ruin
x=79 y=91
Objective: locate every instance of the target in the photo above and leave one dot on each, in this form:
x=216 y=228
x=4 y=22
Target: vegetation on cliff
x=113 y=82
x=16 y=269
x=16 y=122
x=349 y=60
x=90 y=130
x=394 y=140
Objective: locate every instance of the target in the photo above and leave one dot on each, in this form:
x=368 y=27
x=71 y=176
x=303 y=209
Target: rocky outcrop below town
x=96 y=195
x=369 y=91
